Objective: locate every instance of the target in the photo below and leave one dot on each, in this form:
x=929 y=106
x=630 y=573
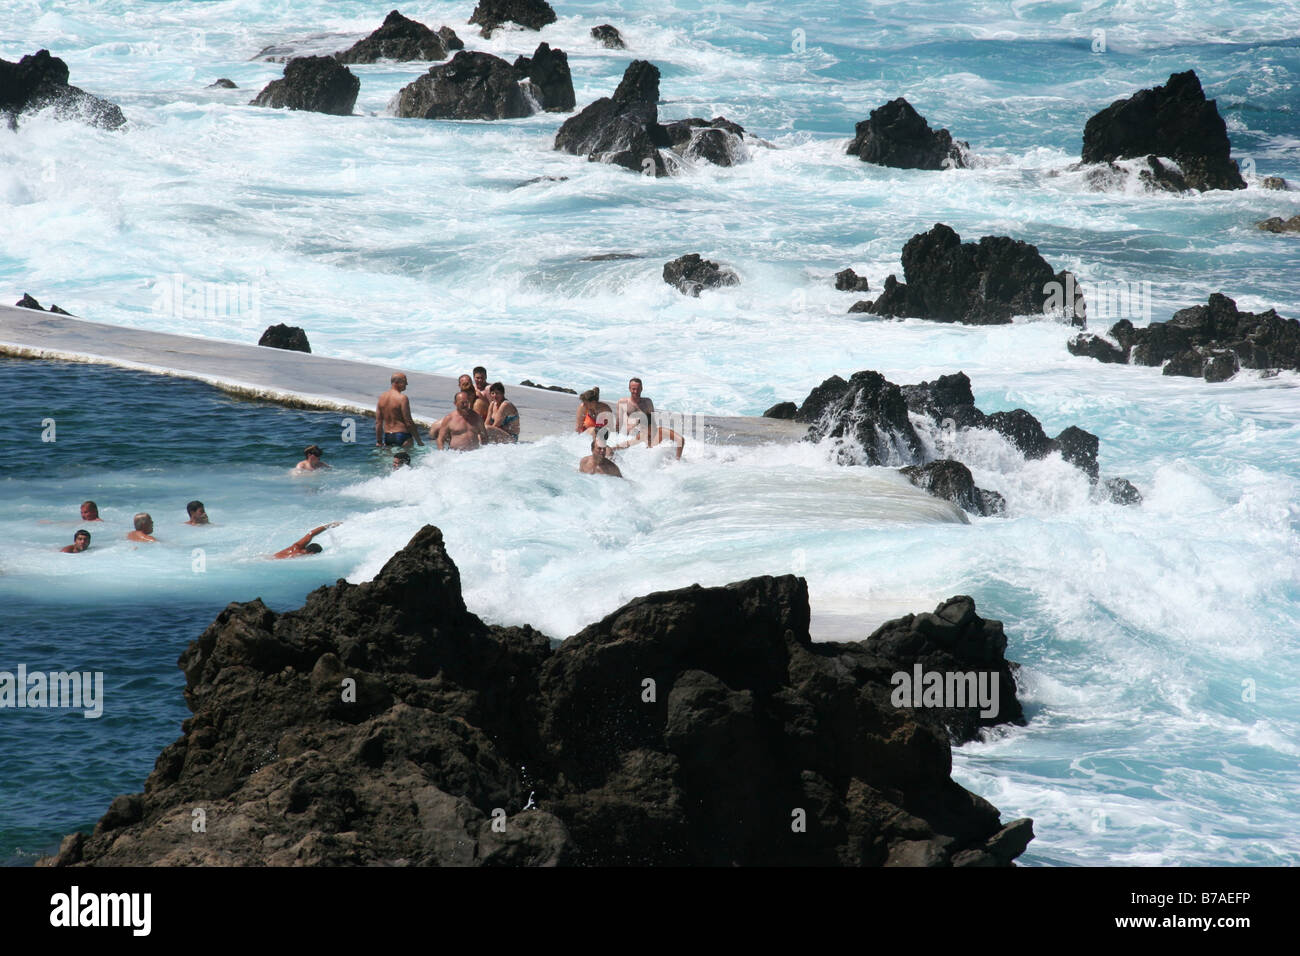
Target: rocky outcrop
x=1174 y=120
x=476 y=85
x=531 y=14
x=608 y=37
x=39 y=81
x=950 y=479
x=550 y=388
x=782 y=410
x=1274 y=182
x=547 y=72
x=897 y=135
x=624 y=129
x=1278 y=224
x=977 y=283
x=869 y=421
x=223 y=84
x=1214 y=341
x=398 y=38
x=317 y=83
x=29 y=302
x=282 y=336
x=383 y=724
x=449 y=39
x=847 y=280
x=689 y=274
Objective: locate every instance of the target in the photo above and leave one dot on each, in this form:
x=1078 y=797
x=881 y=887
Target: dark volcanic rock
x=285 y=337
x=223 y=84
x=1274 y=182
x=533 y=14
x=317 y=83
x=28 y=302
x=1215 y=340
x=40 y=81
x=1079 y=448
x=1094 y=346
x=897 y=135
x=718 y=141
x=1122 y=492
x=397 y=39
x=449 y=38
x=1278 y=224
x=473 y=85
x=950 y=479
x=1174 y=120
x=689 y=274
x=608 y=36
x=849 y=281
x=623 y=129
x=783 y=410
x=868 y=418
x=383 y=724
x=984 y=283
x=550 y=388
x=548 y=72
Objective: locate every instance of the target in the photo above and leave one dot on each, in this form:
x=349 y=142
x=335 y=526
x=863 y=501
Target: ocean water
x=1159 y=642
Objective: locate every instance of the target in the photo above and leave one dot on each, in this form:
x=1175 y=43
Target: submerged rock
x=531 y=14
x=398 y=38
x=39 y=81
x=897 y=135
x=983 y=283
x=319 y=84
x=28 y=302
x=223 y=84
x=689 y=274
x=624 y=129
x=1174 y=120
x=1278 y=224
x=608 y=37
x=285 y=337
x=950 y=479
x=847 y=280
x=384 y=724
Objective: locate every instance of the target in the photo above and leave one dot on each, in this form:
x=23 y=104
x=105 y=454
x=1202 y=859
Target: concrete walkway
x=316 y=381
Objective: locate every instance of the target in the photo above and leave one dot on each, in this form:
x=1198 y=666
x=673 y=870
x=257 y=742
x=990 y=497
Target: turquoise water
x=416 y=244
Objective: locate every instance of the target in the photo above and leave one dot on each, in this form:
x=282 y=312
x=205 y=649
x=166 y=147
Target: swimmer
x=305 y=544
x=401 y=460
x=462 y=430
x=311 y=459
x=90 y=511
x=393 y=422
x=197 y=513
x=143 y=528
x=598 y=463
x=502 y=416
x=80 y=542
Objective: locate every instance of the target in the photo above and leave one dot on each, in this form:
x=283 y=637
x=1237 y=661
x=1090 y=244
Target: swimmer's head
x=82 y=537
x=312 y=450
x=313 y=548
x=590 y=395
x=89 y=511
x=143 y=522
x=464 y=399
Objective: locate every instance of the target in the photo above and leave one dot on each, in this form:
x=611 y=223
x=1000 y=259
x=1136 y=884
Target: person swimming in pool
x=401 y=460
x=394 y=425
x=305 y=545
x=80 y=542
x=502 y=419
x=198 y=514
x=462 y=429
x=90 y=511
x=598 y=463
x=143 y=528
x=311 y=459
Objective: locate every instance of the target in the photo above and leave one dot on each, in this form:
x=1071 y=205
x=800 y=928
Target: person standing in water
x=80 y=542
x=598 y=463
x=311 y=459
x=462 y=429
x=143 y=528
x=198 y=514
x=394 y=425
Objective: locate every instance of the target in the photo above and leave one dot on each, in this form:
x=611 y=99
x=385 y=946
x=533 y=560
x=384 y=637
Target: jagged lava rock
x=532 y=14
x=398 y=38
x=319 y=84
x=897 y=135
x=782 y=410
x=223 y=84
x=951 y=480
x=384 y=724
x=1278 y=224
x=29 y=302
x=289 y=337
x=718 y=141
x=547 y=71
x=984 y=283
x=39 y=81
x=608 y=36
x=847 y=280
x=473 y=85
x=1174 y=120
x=622 y=129
x=689 y=274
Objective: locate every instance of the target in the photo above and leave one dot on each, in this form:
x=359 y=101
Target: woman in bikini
x=595 y=416
x=502 y=418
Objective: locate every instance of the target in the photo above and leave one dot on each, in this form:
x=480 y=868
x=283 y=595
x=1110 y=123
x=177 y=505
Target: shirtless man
x=311 y=459
x=143 y=528
x=463 y=429
x=90 y=511
x=635 y=411
x=393 y=422
x=305 y=545
x=482 y=398
x=198 y=514
x=80 y=542
x=597 y=464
